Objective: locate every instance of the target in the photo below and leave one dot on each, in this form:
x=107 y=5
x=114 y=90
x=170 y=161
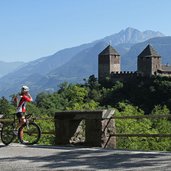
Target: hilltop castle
x=148 y=65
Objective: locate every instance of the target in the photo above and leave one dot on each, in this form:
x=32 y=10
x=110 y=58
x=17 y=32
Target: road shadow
x=94 y=159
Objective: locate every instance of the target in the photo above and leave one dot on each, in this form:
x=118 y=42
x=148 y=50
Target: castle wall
x=104 y=69
x=144 y=66
x=124 y=76
x=156 y=64
x=114 y=68
x=114 y=63
x=148 y=65
x=107 y=65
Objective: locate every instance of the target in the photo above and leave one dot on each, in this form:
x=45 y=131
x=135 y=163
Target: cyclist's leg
x=21 y=120
x=21 y=117
x=32 y=133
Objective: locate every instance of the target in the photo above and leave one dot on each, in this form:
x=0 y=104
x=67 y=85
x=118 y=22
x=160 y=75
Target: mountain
x=7 y=67
x=131 y=36
x=82 y=65
x=71 y=64
x=85 y=63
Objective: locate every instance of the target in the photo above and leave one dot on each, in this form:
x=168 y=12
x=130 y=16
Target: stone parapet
x=99 y=125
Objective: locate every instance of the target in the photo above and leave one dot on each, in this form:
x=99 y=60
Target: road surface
x=18 y=157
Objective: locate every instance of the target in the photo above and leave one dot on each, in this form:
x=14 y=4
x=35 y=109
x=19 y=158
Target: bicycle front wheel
x=7 y=134
x=29 y=134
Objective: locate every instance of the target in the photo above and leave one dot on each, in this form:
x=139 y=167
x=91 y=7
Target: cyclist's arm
x=28 y=98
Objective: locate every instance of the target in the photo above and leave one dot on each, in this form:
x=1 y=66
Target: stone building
x=109 y=61
x=148 y=64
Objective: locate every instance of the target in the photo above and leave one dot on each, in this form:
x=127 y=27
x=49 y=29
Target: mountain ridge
x=7 y=67
x=71 y=64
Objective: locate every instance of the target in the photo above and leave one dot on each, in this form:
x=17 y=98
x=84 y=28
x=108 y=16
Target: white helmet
x=24 y=89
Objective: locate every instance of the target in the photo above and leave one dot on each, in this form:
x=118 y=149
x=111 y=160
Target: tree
x=93 y=87
x=162 y=126
x=5 y=107
x=92 y=82
x=40 y=99
x=77 y=98
x=133 y=126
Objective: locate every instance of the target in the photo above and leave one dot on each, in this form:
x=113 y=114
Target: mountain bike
x=31 y=131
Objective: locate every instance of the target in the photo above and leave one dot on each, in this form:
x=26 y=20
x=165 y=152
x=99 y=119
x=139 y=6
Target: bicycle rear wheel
x=29 y=134
x=7 y=134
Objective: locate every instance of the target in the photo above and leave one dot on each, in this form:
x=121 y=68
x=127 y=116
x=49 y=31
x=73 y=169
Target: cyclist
x=21 y=104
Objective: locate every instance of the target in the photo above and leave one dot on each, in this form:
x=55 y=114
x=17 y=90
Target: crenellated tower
x=108 y=62
x=148 y=65
x=149 y=62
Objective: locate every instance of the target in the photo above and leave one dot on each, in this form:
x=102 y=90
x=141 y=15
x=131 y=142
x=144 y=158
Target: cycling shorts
x=19 y=115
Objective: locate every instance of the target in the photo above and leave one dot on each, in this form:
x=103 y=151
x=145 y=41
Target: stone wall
x=124 y=76
x=97 y=128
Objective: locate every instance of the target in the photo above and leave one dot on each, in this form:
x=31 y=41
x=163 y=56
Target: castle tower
x=108 y=61
x=148 y=62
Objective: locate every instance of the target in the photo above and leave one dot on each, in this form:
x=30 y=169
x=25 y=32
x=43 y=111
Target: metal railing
x=4 y=120
x=141 y=117
x=114 y=117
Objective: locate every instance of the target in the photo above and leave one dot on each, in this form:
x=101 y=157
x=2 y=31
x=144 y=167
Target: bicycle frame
x=12 y=129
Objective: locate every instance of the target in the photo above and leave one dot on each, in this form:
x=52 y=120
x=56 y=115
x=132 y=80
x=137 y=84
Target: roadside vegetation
x=141 y=97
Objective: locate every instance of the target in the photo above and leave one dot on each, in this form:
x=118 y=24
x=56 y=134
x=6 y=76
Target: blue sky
x=30 y=29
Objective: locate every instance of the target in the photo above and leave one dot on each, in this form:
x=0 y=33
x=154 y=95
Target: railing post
x=108 y=128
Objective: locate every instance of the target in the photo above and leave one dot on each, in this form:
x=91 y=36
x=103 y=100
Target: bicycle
x=31 y=131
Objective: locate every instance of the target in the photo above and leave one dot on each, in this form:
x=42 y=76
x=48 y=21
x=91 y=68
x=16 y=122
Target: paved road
x=35 y=158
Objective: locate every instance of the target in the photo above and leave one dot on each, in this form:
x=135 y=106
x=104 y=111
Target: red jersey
x=22 y=103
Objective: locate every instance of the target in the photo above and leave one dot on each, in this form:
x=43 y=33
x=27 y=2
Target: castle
x=148 y=65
